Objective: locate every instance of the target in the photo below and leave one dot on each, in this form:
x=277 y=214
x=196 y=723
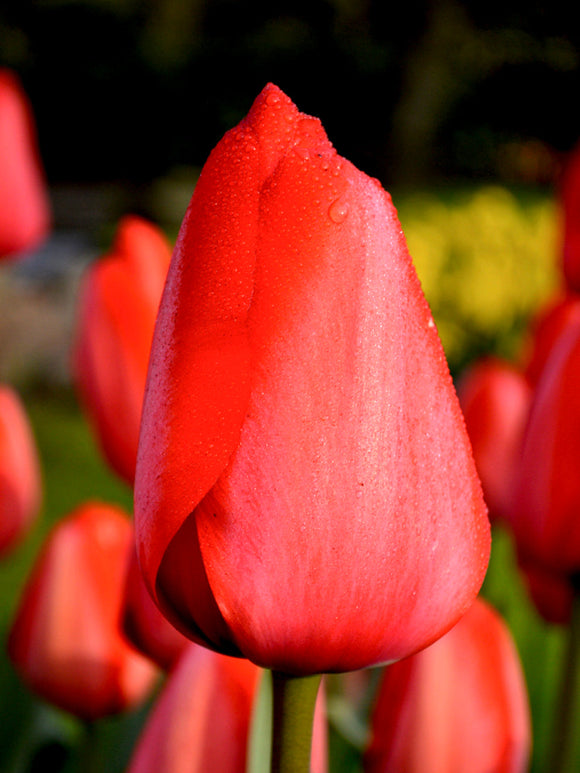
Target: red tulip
x=570 y=199
x=460 y=706
x=65 y=641
x=201 y=721
x=117 y=310
x=20 y=484
x=552 y=593
x=24 y=207
x=546 y=500
x=495 y=399
x=546 y=328
x=305 y=490
x=144 y=625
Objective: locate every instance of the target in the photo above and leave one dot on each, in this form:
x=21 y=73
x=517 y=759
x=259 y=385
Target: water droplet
x=338 y=210
x=272 y=98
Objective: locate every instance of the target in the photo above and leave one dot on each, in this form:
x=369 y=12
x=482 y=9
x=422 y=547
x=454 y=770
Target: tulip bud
x=460 y=706
x=201 y=720
x=20 y=484
x=546 y=501
x=546 y=328
x=65 y=641
x=495 y=397
x=305 y=491
x=24 y=207
x=117 y=309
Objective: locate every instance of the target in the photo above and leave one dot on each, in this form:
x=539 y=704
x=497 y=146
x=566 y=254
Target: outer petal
x=144 y=625
x=460 y=706
x=65 y=641
x=547 y=485
x=344 y=523
x=20 y=484
x=24 y=207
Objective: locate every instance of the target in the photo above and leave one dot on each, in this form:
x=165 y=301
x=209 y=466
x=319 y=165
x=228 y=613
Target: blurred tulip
x=144 y=625
x=570 y=200
x=65 y=641
x=546 y=501
x=24 y=207
x=545 y=329
x=201 y=720
x=305 y=490
x=20 y=483
x=551 y=593
x=495 y=398
x=117 y=309
x=459 y=706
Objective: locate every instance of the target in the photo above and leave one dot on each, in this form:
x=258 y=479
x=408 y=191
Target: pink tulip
x=459 y=706
x=24 y=208
x=117 y=309
x=66 y=641
x=20 y=483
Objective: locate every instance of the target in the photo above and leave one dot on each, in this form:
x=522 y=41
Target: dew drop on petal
x=338 y=210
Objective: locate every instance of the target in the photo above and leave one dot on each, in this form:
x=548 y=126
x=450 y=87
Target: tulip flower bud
x=20 y=484
x=546 y=328
x=65 y=641
x=305 y=491
x=144 y=625
x=117 y=309
x=495 y=397
x=24 y=207
x=460 y=706
x=546 y=500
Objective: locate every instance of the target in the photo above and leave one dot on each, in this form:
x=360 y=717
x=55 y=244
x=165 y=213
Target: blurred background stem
x=564 y=736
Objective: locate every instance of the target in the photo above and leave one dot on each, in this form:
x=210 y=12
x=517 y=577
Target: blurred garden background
x=465 y=112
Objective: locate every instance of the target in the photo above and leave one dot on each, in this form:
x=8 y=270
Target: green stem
x=564 y=735
x=294 y=702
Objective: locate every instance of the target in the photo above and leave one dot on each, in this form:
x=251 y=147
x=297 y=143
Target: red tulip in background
x=545 y=330
x=144 y=625
x=201 y=720
x=20 y=484
x=117 y=309
x=65 y=641
x=305 y=490
x=460 y=706
x=544 y=518
x=24 y=207
x=495 y=398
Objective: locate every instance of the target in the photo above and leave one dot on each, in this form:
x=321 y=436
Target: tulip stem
x=564 y=736
x=293 y=719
